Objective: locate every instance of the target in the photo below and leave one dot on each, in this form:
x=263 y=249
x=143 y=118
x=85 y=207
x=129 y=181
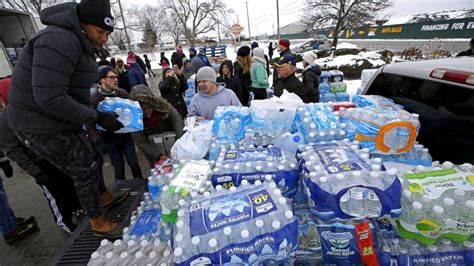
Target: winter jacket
x=245 y=81
x=465 y=53
x=275 y=73
x=294 y=85
x=231 y=82
x=136 y=76
x=51 y=82
x=123 y=81
x=172 y=90
x=258 y=73
x=204 y=105
x=199 y=61
x=187 y=73
x=170 y=121
x=311 y=81
x=147 y=63
x=177 y=59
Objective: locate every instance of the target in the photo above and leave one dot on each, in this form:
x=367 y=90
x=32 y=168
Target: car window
x=446 y=113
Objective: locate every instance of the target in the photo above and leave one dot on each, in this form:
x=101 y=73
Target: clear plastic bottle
x=446 y=245
x=413 y=215
x=374 y=207
x=96 y=259
x=357 y=203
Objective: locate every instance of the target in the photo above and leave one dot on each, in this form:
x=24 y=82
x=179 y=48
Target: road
x=26 y=198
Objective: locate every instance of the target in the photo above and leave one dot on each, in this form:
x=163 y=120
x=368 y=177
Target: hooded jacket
x=204 y=105
x=170 y=121
x=258 y=73
x=231 y=82
x=199 y=61
x=136 y=76
x=51 y=82
x=311 y=75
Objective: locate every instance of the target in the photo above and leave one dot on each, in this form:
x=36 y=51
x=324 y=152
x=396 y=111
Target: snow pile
x=346 y=45
x=351 y=60
x=435 y=16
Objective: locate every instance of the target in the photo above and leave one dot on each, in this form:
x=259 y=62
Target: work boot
x=103 y=227
x=108 y=199
x=20 y=232
x=24 y=220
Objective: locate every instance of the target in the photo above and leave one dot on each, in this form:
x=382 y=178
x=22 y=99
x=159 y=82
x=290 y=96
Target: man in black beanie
x=49 y=101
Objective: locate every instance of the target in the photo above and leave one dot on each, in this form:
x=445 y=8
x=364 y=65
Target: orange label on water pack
x=379 y=139
x=365 y=242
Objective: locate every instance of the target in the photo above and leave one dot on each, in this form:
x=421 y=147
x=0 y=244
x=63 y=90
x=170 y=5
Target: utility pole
x=248 y=20
x=124 y=25
x=273 y=28
x=278 y=21
x=218 y=31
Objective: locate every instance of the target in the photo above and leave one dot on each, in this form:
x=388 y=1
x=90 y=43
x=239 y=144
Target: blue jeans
x=125 y=147
x=7 y=217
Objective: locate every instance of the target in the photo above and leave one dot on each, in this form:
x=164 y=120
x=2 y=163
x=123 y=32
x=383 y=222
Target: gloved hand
x=7 y=168
x=108 y=121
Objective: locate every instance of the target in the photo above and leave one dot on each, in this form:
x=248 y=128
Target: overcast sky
x=262 y=13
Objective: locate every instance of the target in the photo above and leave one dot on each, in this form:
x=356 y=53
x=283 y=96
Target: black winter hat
x=97 y=13
x=243 y=51
x=102 y=71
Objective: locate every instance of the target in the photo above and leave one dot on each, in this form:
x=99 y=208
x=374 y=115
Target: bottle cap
x=432 y=248
x=313 y=175
x=178 y=252
x=282 y=200
x=195 y=240
x=137 y=255
x=179 y=223
x=144 y=242
x=276 y=224
x=340 y=176
x=219 y=188
x=323 y=179
x=258 y=183
x=212 y=243
x=448 y=201
x=232 y=189
x=417 y=205
x=244 y=233
x=407 y=193
x=244 y=183
x=468 y=244
x=392 y=171
x=470 y=204
x=438 y=209
x=117 y=242
x=166 y=253
x=459 y=192
x=356 y=174
x=181 y=202
x=289 y=215
x=152 y=254
x=277 y=192
x=105 y=241
x=131 y=242
x=181 y=212
x=95 y=254
x=227 y=231
x=447 y=164
x=374 y=174
x=178 y=237
x=259 y=223
x=109 y=255
x=386 y=249
x=446 y=241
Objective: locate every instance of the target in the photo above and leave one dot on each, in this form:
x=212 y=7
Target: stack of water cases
x=248 y=225
x=332 y=88
x=235 y=165
x=318 y=122
x=438 y=202
x=342 y=182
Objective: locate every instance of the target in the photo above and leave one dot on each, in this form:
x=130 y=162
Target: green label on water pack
x=434 y=183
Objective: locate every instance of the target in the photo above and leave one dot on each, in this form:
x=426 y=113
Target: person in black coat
x=311 y=74
x=286 y=67
x=172 y=86
x=469 y=51
x=122 y=72
x=226 y=72
x=284 y=48
x=242 y=72
x=178 y=57
x=148 y=66
x=164 y=62
x=270 y=50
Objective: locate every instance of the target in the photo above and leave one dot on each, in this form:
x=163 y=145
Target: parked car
x=441 y=91
x=321 y=42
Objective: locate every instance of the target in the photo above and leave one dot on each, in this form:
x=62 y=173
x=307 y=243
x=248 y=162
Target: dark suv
x=441 y=91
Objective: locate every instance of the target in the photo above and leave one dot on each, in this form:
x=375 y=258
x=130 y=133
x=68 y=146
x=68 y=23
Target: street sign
x=236 y=29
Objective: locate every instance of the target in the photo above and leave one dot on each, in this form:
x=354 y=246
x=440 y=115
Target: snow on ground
x=346 y=45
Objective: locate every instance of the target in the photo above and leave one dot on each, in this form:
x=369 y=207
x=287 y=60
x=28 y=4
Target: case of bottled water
x=129 y=113
x=383 y=131
x=189 y=93
x=318 y=122
x=438 y=202
x=248 y=225
x=419 y=155
x=342 y=182
x=271 y=163
x=348 y=244
x=376 y=102
x=230 y=123
x=160 y=176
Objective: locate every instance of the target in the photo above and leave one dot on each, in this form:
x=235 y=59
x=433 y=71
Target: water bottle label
x=458 y=226
x=337 y=159
x=348 y=244
x=209 y=216
x=191 y=176
x=255 y=154
x=147 y=223
x=440 y=258
x=435 y=183
x=130 y=113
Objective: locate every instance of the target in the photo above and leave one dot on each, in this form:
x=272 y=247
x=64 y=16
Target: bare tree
x=170 y=26
x=118 y=37
x=30 y=6
x=195 y=16
x=342 y=14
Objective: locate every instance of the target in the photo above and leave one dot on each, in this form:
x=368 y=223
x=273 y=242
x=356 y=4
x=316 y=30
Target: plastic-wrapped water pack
x=317 y=122
x=376 y=102
x=382 y=131
x=237 y=164
x=342 y=182
x=129 y=113
x=249 y=225
x=230 y=123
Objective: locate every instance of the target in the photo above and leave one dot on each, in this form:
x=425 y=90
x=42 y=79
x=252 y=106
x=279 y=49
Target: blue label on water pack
x=226 y=210
x=273 y=247
x=337 y=159
x=287 y=181
x=147 y=223
x=459 y=258
x=254 y=154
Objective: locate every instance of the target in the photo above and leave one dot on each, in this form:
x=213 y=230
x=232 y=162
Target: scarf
x=153 y=121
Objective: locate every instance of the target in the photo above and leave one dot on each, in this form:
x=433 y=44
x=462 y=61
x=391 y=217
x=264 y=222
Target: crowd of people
x=49 y=113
